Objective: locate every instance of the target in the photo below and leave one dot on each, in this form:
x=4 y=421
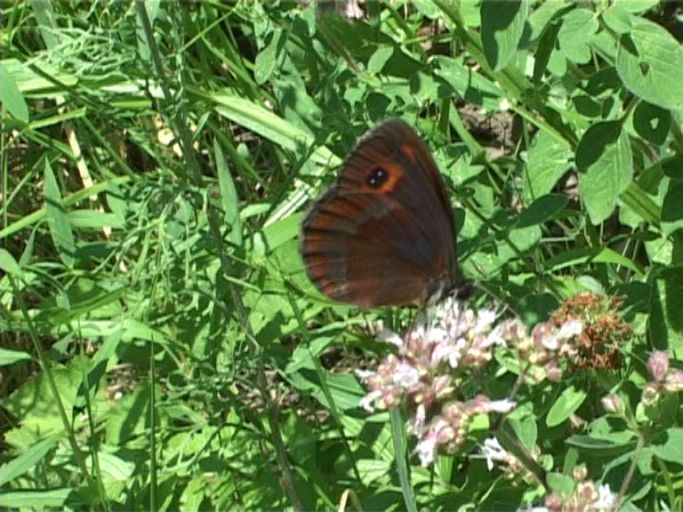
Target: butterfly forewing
x=384 y=234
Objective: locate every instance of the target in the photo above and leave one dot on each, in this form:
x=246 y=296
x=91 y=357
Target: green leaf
x=502 y=25
x=10 y=96
x=8 y=357
x=472 y=87
x=575 y=35
x=603 y=157
x=57 y=218
x=672 y=166
x=35 y=499
x=638 y=5
x=9 y=265
x=562 y=484
x=593 y=255
x=93 y=219
x=618 y=443
x=666 y=304
x=524 y=425
x=45 y=20
x=229 y=198
x=379 y=59
x=617 y=18
x=548 y=159
x=35 y=403
x=568 y=402
x=114 y=468
x=270 y=126
x=649 y=63
x=541 y=210
x=27 y=460
x=672 y=449
x=267 y=59
x=651 y=122
x=641 y=203
x=672 y=209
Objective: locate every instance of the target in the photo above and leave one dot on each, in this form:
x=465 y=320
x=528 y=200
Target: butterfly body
x=384 y=233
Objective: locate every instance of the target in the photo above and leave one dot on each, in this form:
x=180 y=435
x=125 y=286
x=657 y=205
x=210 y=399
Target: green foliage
x=161 y=345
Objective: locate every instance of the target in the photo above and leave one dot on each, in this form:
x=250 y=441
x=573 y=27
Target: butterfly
x=384 y=234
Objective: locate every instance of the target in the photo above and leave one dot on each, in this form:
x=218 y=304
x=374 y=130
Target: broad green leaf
x=562 y=484
x=524 y=425
x=603 y=157
x=567 y=403
x=548 y=160
x=651 y=122
x=115 y=469
x=578 y=28
x=637 y=5
x=10 y=96
x=502 y=25
x=672 y=209
x=525 y=238
x=541 y=210
x=345 y=390
x=379 y=59
x=649 y=63
x=129 y=416
x=374 y=469
x=36 y=405
x=617 y=18
x=672 y=166
x=672 y=449
x=57 y=218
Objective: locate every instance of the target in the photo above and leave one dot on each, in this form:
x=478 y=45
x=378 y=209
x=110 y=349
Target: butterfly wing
x=384 y=234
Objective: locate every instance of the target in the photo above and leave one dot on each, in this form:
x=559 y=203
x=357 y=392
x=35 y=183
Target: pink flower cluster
x=547 y=346
x=587 y=496
x=432 y=360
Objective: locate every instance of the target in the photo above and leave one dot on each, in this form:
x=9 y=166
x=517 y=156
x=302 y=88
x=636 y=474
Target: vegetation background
x=161 y=346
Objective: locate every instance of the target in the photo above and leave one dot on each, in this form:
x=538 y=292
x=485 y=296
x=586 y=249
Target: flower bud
x=658 y=365
x=650 y=394
x=554 y=373
x=580 y=473
x=613 y=404
x=674 y=382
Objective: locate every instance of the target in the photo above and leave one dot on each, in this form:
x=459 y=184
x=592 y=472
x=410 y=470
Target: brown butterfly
x=384 y=234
